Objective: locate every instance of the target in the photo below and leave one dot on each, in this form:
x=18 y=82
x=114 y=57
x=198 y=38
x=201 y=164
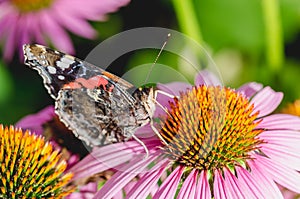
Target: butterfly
x=99 y=107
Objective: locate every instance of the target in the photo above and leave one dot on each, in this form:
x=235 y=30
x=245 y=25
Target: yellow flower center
x=209 y=128
x=29 y=168
x=31 y=5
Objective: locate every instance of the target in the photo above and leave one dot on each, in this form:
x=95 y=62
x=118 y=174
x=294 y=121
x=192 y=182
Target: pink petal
x=232 y=185
x=148 y=181
x=169 y=186
x=266 y=101
x=280 y=121
x=34 y=122
x=281 y=174
x=272 y=190
x=124 y=176
x=57 y=34
x=207 y=78
x=188 y=189
x=250 y=89
x=174 y=88
x=75 y=25
x=203 y=188
x=13 y=34
x=219 y=188
x=248 y=184
x=287 y=157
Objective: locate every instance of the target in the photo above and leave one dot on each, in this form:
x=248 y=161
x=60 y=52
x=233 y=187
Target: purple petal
x=57 y=34
x=148 y=181
x=169 y=186
x=13 y=33
x=107 y=157
x=280 y=122
x=281 y=174
x=174 y=88
x=219 y=188
x=203 y=188
x=232 y=184
x=34 y=122
x=121 y=178
x=272 y=190
x=188 y=189
x=249 y=185
x=75 y=25
x=250 y=89
x=266 y=101
x=207 y=78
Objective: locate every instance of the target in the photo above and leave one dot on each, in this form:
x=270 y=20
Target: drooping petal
x=148 y=181
x=107 y=157
x=188 y=189
x=272 y=190
x=281 y=174
x=232 y=184
x=124 y=176
x=168 y=188
x=266 y=101
x=280 y=121
x=250 y=89
x=207 y=78
x=203 y=189
x=219 y=188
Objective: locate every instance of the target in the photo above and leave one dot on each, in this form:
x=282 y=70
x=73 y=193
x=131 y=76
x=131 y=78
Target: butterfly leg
x=164 y=93
x=142 y=144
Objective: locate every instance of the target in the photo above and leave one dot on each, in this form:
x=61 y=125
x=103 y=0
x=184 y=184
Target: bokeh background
x=257 y=40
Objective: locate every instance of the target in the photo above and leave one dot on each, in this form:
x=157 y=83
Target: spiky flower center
x=31 y=5
x=29 y=167
x=210 y=127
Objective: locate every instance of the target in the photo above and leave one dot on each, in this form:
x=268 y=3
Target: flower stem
x=187 y=19
x=273 y=34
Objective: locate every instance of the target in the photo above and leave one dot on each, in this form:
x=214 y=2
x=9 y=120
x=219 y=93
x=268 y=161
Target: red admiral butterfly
x=96 y=105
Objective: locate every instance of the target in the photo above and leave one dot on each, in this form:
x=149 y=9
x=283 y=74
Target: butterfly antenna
x=152 y=66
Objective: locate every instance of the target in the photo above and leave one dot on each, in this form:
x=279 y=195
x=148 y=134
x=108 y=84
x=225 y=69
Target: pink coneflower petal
x=250 y=186
x=207 y=78
x=219 y=187
x=188 y=189
x=169 y=186
x=34 y=122
x=174 y=88
x=250 y=89
x=272 y=189
x=283 y=175
x=148 y=181
x=203 y=188
x=75 y=25
x=56 y=33
x=123 y=177
x=232 y=185
x=280 y=121
x=266 y=101
x=12 y=33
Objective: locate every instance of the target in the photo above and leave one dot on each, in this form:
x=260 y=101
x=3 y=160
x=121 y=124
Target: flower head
x=221 y=143
x=30 y=168
x=39 y=20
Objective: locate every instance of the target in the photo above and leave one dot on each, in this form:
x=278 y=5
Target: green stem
x=273 y=34
x=187 y=19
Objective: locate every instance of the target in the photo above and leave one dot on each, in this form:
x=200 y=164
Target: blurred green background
x=257 y=40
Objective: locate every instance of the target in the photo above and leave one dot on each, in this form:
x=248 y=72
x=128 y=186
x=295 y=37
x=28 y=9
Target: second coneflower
x=29 y=167
x=222 y=143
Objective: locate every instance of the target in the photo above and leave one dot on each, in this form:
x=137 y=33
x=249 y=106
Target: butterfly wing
x=93 y=103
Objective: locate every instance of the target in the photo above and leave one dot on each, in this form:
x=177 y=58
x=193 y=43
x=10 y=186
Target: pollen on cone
x=26 y=177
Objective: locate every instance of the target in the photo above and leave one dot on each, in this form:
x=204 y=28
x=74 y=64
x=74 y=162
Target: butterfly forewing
x=96 y=105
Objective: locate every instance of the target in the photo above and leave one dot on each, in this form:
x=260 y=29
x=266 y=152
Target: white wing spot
x=61 y=77
x=51 y=70
x=65 y=62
